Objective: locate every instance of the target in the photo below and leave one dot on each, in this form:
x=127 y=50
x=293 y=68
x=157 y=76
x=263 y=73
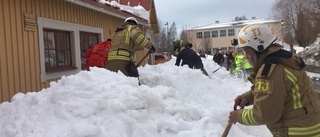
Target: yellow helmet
x=256 y=36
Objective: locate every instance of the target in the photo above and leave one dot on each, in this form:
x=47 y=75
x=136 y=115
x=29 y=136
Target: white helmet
x=131 y=19
x=256 y=36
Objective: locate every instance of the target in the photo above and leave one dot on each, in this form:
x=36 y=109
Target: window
x=215 y=33
x=199 y=35
x=223 y=33
x=231 y=48
x=59 y=47
x=87 y=39
x=230 y=32
x=224 y=48
x=57 y=50
x=206 y=34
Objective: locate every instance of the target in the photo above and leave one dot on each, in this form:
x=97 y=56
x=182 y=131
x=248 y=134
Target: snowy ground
x=172 y=102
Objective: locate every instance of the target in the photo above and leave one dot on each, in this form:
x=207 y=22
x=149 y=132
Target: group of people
x=235 y=61
x=282 y=96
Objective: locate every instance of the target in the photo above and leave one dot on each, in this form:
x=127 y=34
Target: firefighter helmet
x=256 y=36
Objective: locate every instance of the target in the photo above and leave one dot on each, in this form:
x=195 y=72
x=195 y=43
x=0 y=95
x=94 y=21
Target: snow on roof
x=115 y=9
x=135 y=10
x=235 y=23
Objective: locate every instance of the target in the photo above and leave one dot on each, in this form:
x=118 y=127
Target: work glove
x=152 y=49
x=240 y=101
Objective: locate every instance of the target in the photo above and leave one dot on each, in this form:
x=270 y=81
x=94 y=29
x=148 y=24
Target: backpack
x=97 y=55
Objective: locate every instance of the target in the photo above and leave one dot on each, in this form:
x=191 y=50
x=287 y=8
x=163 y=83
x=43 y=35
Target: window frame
x=56 y=50
x=215 y=32
x=231 y=32
x=83 y=48
x=223 y=34
x=199 y=35
x=74 y=30
x=206 y=34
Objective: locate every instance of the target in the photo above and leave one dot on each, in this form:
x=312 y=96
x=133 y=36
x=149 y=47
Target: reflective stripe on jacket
x=126 y=42
x=241 y=62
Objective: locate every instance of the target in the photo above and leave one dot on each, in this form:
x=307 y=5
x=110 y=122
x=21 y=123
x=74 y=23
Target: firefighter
x=127 y=40
x=281 y=95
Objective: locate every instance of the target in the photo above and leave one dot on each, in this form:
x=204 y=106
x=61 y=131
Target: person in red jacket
x=97 y=55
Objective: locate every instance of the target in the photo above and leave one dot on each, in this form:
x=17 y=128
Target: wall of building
x=225 y=42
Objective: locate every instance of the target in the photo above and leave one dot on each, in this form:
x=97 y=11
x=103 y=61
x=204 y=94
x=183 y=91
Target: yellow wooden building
x=43 y=40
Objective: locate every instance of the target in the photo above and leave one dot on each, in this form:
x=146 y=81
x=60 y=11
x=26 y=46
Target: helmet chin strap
x=258 y=53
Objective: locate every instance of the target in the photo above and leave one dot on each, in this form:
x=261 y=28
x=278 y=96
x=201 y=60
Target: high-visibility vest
x=241 y=62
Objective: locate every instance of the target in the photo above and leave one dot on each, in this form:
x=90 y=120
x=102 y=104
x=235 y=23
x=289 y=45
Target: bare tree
x=160 y=40
x=303 y=36
x=239 y=18
x=172 y=34
x=163 y=40
x=206 y=44
x=299 y=18
x=189 y=35
x=315 y=13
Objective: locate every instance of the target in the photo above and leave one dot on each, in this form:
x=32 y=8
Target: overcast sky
x=191 y=13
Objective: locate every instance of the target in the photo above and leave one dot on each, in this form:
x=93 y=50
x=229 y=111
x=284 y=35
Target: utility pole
x=167 y=24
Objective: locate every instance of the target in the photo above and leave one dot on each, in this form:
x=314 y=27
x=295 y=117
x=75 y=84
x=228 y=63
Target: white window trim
x=75 y=44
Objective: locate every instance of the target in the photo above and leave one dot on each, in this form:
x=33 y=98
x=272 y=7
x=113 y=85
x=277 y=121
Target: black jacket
x=218 y=58
x=230 y=57
x=190 y=58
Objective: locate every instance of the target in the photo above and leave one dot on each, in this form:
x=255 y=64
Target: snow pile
x=135 y=10
x=311 y=55
x=171 y=102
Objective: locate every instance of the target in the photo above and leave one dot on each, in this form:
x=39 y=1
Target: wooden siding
x=19 y=48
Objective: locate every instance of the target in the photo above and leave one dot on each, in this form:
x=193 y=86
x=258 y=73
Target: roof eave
x=87 y=5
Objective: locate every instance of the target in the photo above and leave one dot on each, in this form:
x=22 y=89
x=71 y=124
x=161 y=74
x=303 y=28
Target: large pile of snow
x=171 y=102
x=311 y=54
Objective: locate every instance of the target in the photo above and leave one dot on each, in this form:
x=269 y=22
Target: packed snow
x=135 y=10
x=311 y=54
x=171 y=102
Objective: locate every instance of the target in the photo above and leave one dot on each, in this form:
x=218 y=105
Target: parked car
x=161 y=58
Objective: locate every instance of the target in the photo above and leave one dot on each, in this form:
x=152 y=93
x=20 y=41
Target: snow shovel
x=226 y=130
x=228 y=127
x=216 y=70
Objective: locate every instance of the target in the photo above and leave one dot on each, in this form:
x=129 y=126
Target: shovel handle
x=228 y=127
x=144 y=57
x=226 y=130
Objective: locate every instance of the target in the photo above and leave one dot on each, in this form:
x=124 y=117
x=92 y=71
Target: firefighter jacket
x=127 y=40
x=282 y=97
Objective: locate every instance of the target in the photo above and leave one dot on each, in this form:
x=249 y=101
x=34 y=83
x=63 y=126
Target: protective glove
x=152 y=49
x=240 y=101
